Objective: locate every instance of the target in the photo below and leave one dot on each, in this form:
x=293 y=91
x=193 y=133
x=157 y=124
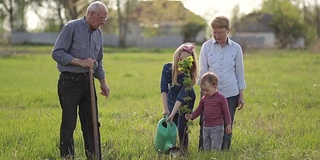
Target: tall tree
x=16 y=11
x=235 y=17
x=123 y=8
x=53 y=19
x=74 y=8
x=287 y=20
x=58 y=12
x=317 y=17
x=191 y=27
x=2 y=18
x=310 y=26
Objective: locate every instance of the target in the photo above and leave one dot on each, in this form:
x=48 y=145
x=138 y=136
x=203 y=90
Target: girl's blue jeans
x=180 y=121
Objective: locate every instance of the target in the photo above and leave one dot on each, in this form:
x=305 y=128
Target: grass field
x=281 y=118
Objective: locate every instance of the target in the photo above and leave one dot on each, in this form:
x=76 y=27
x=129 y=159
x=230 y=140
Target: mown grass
x=280 y=120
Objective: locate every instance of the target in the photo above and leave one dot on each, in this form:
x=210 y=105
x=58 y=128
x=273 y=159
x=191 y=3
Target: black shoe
x=225 y=145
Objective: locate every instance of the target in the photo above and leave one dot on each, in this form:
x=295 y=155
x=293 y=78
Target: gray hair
x=94 y=6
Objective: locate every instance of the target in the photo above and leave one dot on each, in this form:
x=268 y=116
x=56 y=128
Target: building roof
x=255 y=22
x=161 y=12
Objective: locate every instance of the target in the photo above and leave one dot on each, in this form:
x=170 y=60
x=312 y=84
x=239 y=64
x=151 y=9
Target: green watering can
x=166 y=136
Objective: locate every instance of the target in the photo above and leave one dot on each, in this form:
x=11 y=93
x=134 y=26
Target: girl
x=173 y=91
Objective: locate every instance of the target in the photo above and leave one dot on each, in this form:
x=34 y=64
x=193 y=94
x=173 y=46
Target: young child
x=215 y=113
x=173 y=91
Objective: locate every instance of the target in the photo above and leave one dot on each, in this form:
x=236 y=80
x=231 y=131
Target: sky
x=207 y=9
x=204 y=8
x=210 y=8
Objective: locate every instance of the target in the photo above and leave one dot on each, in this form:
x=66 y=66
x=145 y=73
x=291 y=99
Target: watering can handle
x=166 y=116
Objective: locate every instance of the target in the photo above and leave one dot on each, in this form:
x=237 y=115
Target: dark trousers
x=181 y=122
x=74 y=92
x=226 y=143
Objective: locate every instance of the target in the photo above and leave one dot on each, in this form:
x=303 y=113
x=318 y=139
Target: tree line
x=292 y=18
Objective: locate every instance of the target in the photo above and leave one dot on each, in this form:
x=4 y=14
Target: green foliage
x=15 y=12
x=163 y=17
x=311 y=23
x=280 y=119
x=191 y=29
x=184 y=109
x=287 y=20
x=184 y=66
x=51 y=25
x=150 y=31
x=192 y=26
x=236 y=16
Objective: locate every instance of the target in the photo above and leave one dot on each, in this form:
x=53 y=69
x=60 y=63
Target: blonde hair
x=209 y=77
x=220 y=22
x=176 y=56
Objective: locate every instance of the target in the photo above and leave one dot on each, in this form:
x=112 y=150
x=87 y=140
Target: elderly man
x=79 y=48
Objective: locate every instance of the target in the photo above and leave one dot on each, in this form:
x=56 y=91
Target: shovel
x=94 y=118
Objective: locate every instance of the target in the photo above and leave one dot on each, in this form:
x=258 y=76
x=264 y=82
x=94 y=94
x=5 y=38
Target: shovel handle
x=94 y=117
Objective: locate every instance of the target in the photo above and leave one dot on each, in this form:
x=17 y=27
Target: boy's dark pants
x=226 y=143
x=74 y=91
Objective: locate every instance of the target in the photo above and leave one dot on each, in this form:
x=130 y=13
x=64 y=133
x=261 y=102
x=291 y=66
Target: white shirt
x=226 y=62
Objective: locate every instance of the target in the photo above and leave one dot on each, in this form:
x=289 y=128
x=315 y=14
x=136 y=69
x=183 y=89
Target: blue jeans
x=74 y=91
x=226 y=143
x=181 y=122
